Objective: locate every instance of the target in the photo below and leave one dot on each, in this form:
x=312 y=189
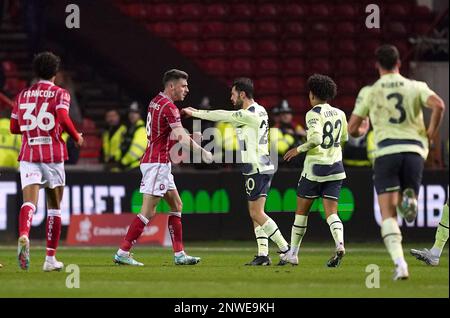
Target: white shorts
x=47 y=175
x=157 y=179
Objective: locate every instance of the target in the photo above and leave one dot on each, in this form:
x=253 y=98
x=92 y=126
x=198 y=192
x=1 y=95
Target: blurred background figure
x=274 y=117
x=9 y=144
x=64 y=80
x=73 y=152
x=204 y=103
x=226 y=140
x=285 y=134
x=112 y=138
x=134 y=140
x=286 y=124
x=358 y=151
x=205 y=125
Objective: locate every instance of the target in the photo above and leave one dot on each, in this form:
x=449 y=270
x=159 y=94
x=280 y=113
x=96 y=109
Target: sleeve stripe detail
x=62 y=106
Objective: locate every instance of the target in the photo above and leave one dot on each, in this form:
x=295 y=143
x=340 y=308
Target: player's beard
x=239 y=103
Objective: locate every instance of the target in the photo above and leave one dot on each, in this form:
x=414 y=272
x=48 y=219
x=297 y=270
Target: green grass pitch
x=221 y=273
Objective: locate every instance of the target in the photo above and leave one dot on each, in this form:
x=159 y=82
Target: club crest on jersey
x=312 y=122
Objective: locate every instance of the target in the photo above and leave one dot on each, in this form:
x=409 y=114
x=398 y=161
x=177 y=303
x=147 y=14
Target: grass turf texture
x=221 y=273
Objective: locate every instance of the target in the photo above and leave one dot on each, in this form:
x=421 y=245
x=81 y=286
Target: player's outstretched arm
x=291 y=154
x=437 y=106
x=188 y=111
x=239 y=117
x=312 y=142
x=14 y=126
x=313 y=139
x=344 y=135
x=212 y=115
x=66 y=123
x=358 y=126
x=185 y=140
x=359 y=122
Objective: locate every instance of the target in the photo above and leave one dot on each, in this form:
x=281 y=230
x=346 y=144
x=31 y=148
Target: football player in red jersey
x=40 y=114
x=164 y=129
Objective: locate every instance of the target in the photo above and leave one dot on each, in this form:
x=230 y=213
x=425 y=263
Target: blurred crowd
x=123 y=142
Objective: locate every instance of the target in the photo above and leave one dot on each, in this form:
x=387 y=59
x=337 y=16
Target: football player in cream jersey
x=323 y=170
x=251 y=122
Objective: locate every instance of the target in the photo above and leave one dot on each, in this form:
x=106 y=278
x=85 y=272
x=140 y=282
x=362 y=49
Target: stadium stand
x=277 y=43
x=298 y=38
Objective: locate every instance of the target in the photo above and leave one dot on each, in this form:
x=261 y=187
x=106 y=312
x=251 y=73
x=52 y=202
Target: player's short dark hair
x=244 y=84
x=387 y=56
x=174 y=74
x=322 y=86
x=46 y=65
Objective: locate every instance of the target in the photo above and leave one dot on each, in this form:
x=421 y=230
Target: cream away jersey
x=326 y=130
x=252 y=129
x=394 y=104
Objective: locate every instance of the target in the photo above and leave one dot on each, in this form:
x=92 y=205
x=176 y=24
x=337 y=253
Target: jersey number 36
x=44 y=120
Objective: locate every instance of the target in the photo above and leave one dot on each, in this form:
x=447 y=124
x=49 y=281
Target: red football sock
x=25 y=218
x=134 y=232
x=176 y=231
x=53 y=230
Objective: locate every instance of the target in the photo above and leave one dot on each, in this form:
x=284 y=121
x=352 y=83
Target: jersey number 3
x=399 y=107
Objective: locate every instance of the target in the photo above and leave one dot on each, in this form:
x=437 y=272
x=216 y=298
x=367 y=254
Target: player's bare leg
x=148 y=210
x=176 y=229
x=298 y=231
x=30 y=199
x=262 y=258
x=337 y=230
x=256 y=210
x=391 y=234
x=53 y=228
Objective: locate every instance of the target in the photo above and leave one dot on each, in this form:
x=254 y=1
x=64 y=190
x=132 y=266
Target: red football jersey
x=35 y=110
x=162 y=117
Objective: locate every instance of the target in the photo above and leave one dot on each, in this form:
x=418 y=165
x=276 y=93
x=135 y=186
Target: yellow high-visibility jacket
x=111 y=144
x=9 y=145
x=228 y=140
x=134 y=145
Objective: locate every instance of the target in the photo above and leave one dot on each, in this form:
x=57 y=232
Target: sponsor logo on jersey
x=40 y=141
